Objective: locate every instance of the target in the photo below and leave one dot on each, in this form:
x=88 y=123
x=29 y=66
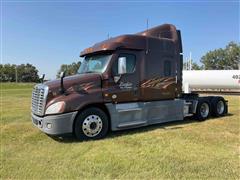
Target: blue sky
x=48 y=34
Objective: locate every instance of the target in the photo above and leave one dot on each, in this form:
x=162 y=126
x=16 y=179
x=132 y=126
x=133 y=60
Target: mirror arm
x=62 y=89
x=120 y=76
x=117 y=78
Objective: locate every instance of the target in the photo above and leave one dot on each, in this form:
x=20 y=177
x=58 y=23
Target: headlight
x=55 y=108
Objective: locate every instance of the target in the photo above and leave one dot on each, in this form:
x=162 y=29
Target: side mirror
x=122 y=68
x=42 y=78
x=62 y=75
x=122 y=65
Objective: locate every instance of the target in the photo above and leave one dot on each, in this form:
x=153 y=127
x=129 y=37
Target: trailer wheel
x=219 y=107
x=203 y=110
x=91 y=123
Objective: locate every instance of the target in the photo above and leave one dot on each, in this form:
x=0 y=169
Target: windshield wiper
x=87 y=72
x=90 y=72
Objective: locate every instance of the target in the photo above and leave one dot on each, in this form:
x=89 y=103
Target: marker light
x=49 y=125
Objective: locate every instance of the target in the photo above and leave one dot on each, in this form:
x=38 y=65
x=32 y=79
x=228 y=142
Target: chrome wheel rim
x=220 y=107
x=92 y=125
x=204 y=110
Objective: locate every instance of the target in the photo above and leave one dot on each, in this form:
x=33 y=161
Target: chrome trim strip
x=127 y=110
x=130 y=124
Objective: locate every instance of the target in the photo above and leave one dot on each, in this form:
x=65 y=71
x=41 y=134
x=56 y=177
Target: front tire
x=91 y=123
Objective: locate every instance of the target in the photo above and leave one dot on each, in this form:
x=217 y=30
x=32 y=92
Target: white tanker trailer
x=228 y=80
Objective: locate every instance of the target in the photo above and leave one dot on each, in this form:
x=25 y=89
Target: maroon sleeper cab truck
x=124 y=82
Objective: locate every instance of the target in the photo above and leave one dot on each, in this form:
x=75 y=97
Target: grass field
x=186 y=150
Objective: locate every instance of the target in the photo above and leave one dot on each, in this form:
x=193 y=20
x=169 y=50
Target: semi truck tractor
x=124 y=82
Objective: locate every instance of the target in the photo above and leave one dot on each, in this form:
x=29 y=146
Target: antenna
x=147 y=24
x=147 y=39
x=108 y=35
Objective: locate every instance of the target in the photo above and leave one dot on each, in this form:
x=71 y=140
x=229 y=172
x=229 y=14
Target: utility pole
x=186 y=65
x=16 y=74
x=190 y=61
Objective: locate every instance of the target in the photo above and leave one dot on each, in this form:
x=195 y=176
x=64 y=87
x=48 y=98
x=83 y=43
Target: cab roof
x=166 y=32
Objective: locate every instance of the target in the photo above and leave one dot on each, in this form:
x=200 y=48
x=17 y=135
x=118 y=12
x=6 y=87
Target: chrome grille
x=39 y=97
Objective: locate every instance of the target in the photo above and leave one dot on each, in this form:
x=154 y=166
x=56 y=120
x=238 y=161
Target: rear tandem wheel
x=219 y=106
x=203 y=110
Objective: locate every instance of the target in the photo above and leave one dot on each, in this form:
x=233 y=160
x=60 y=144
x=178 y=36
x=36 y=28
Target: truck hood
x=77 y=83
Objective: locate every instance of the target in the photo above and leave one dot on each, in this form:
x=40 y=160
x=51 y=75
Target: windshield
x=94 y=64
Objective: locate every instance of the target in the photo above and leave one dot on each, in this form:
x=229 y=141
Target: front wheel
x=91 y=123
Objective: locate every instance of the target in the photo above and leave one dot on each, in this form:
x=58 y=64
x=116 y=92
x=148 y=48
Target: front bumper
x=55 y=124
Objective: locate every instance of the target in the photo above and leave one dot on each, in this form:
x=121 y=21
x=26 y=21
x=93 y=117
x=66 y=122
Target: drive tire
x=202 y=114
x=219 y=106
x=91 y=120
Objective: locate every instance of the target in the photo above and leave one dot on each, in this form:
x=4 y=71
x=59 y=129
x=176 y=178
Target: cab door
x=125 y=77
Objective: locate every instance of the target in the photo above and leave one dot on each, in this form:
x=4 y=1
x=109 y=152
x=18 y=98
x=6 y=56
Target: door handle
x=135 y=91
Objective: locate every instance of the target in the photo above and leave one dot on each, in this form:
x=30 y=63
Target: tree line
x=18 y=73
x=227 y=58
x=69 y=69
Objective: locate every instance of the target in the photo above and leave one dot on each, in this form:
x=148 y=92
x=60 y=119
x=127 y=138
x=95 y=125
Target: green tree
x=7 y=72
x=23 y=72
x=27 y=73
x=70 y=69
x=195 y=66
x=227 y=58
